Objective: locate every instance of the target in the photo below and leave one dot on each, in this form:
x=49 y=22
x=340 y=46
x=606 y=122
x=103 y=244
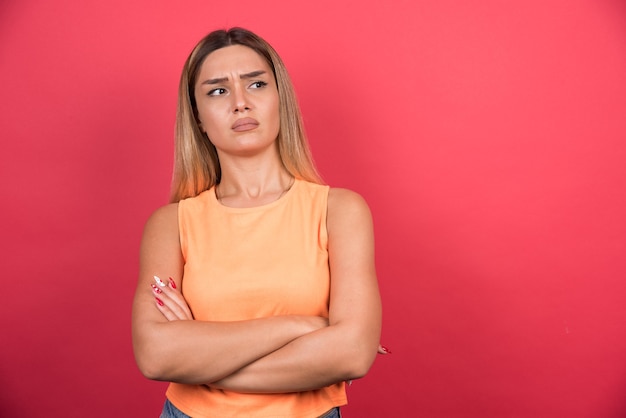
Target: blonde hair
x=196 y=164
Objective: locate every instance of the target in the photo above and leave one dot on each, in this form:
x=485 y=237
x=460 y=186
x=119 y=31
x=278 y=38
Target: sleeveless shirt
x=247 y=263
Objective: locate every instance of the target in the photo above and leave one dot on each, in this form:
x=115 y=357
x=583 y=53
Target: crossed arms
x=277 y=354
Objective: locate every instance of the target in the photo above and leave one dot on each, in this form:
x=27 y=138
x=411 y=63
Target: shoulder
x=162 y=220
x=164 y=213
x=346 y=207
x=346 y=200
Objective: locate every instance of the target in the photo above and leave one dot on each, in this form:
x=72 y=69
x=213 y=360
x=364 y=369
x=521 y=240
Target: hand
x=169 y=301
x=383 y=350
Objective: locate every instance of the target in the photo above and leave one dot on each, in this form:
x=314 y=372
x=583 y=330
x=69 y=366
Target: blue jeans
x=170 y=411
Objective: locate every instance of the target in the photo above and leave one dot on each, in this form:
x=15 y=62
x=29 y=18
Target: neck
x=252 y=182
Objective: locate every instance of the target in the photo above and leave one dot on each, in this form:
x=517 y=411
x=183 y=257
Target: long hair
x=196 y=164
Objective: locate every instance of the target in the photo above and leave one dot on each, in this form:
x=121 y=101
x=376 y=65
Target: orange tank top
x=246 y=263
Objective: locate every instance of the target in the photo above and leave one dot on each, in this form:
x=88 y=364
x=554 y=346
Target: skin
x=237 y=83
x=252 y=173
x=277 y=354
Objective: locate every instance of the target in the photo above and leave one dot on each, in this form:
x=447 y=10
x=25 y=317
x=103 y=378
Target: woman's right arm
x=190 y=351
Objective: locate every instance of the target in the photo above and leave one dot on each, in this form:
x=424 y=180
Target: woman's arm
x=346 y=348
x=194 y=351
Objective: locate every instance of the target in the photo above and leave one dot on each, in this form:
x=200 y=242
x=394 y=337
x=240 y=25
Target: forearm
x=197 y=352
x=168 y=343
x=321 y=358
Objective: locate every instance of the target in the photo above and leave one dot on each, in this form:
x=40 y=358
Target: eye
x=258 y=84
x=217 y=92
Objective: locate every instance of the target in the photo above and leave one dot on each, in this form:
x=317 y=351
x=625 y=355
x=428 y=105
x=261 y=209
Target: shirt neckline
x=285 y=197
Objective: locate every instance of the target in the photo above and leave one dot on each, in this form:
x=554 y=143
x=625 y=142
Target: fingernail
x=172 y=283
x=156 y=289
x=385 y=349
x=159 y=281
x=159 y=301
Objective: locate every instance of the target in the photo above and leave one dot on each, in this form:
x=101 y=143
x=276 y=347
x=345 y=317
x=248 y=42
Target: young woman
x=257 y=293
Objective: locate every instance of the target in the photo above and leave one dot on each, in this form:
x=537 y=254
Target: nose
x=240 y=100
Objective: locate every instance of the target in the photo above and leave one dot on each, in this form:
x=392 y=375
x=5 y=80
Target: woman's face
x=237 y=100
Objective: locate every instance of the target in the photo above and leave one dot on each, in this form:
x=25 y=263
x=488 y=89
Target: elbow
x=151 y=370
x=153 y=354
x=359 y=361
x=150 y=360
x=359 y=350
x=149 y=366
x=360 y=367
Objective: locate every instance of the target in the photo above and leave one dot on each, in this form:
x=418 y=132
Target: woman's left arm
x=345 y=349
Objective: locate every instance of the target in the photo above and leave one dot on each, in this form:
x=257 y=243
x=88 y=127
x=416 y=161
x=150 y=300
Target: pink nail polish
x=385 y=349
x=172 y=283
x=156 y=289
x=159 y=301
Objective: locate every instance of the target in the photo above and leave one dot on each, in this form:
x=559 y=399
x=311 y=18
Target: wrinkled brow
x=242 y=76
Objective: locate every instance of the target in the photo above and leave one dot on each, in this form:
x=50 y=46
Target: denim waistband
x=170 y=411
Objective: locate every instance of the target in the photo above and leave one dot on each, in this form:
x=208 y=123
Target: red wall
x=487 y=136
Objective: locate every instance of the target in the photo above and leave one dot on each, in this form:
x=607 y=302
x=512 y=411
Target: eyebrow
x=245 y=76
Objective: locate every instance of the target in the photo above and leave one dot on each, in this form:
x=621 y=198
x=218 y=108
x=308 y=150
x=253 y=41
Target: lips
x=244 y=124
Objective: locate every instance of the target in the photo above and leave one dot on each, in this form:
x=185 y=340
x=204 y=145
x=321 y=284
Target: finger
x=167 y=304
x=179 y=299
x=165 y=310
x=173 y=299
x=158 y=281
x=383 y=350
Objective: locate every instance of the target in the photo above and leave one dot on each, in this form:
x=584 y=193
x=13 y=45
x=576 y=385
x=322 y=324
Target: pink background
x=487 y=136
